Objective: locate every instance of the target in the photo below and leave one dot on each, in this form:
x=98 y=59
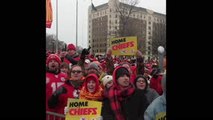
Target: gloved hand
x=86 y=51
x=54 y=99
x=66 y=110
x=83 y=54
x=59 y=91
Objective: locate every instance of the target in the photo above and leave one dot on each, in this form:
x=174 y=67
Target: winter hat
x=121 y=71
x=53 y=57
x=106 y=79
x=92 y=77
x=71 y=47
x=93 y=66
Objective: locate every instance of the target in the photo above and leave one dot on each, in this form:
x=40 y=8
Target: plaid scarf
x=116 y=95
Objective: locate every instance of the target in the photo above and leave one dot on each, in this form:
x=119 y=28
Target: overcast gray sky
x=67 y=17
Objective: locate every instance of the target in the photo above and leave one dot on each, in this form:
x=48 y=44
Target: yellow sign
x=161 y=116
x=124 y=45
x=80 y=109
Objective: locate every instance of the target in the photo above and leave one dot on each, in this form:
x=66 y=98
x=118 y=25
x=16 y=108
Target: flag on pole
x=49 y=14
x=93 y=7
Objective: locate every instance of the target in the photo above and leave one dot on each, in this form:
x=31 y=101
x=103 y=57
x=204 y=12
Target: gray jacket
x=157 y=109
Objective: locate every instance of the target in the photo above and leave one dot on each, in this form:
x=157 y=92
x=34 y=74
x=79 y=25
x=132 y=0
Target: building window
x=148 y=52
x=115 y=21
x=149 y=22
x=116 y=16
x=149 y=28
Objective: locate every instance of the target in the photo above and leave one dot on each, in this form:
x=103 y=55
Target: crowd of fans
x=129 y=89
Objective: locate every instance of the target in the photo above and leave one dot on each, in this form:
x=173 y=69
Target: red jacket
x=155 y=83
x=53 y=81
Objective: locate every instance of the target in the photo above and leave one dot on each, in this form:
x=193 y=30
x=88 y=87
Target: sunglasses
x=76 y=71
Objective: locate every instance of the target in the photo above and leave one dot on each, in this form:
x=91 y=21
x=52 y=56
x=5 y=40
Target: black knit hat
x=121 y=72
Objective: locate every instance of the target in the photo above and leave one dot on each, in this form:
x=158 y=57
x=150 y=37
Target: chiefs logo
x=76 y=93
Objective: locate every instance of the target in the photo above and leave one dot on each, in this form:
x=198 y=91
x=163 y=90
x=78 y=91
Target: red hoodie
x=155 y=83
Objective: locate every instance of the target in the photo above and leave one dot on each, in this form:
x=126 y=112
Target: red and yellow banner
x=124 y=45
x=49 y=14
x=80 y=109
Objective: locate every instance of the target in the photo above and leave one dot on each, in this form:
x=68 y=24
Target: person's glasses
x=141 y=81
x=76 y=71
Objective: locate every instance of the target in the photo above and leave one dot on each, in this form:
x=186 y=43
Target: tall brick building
x=105 y=23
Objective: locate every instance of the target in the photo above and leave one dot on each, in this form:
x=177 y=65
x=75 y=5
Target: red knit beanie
x=71 y=47
x=53 y=57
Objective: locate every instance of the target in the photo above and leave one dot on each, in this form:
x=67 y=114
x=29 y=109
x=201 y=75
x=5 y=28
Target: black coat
x=133 y=107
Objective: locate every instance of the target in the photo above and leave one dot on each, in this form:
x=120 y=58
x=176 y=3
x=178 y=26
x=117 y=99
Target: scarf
x=97 y=96
x=116 y=95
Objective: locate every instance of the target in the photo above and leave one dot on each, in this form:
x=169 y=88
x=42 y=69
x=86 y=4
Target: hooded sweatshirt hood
x=146 y=81
x=118 y=72
x=92 y=77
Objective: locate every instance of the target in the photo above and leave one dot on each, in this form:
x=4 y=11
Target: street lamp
x=160 y=55
x=76 y=23
x=56 y=42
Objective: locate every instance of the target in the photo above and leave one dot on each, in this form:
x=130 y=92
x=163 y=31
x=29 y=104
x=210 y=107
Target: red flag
x=49 y=15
